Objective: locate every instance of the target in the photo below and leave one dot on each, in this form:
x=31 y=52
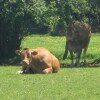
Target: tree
x=94 y=14
x=15 y=18
x=11 y=27
x=51 y=17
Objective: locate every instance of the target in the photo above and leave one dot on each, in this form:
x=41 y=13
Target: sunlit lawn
x=57 y=45
x=68 y=84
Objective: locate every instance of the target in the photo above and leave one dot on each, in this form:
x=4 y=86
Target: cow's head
x=26 y=55
x=73 y=32
x=73 y=36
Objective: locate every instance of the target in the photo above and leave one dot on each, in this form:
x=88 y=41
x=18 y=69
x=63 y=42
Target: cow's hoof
x=47 y=71
x=19 y=72
x=83 y=63
x=72 y=65
x=77 y=64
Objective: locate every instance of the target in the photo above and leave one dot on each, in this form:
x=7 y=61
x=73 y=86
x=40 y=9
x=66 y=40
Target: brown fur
x=38 y=60
x=77 y=38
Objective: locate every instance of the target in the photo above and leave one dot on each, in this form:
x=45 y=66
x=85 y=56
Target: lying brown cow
x=77 y=38
x=38 y=60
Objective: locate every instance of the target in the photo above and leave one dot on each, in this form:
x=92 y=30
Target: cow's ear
x=34 y=52
x=18 y=52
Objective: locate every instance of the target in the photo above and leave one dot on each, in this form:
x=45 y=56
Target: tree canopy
x=18 y=17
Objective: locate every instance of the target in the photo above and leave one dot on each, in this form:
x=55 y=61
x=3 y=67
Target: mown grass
x=57 y=45
x=68 y=84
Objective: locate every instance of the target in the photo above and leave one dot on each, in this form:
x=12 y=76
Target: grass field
x=68 y=84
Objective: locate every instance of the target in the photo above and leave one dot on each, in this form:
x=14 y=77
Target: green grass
x=68 y=84
x=57 y=45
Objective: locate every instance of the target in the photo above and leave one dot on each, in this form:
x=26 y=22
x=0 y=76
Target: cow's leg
x=78 y=54
x=47 y=71
x=72 y=58
x=22 y=71
x=24 y=68
x=85 y=50
x=28 y=70
x=19 y=72
x=66 y=51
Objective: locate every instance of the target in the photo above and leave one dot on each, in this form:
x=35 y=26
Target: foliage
x=71 y=10
x=18 y=17
x=11 y=27
x=51 y=17
x=66 y=11
x=94 y=14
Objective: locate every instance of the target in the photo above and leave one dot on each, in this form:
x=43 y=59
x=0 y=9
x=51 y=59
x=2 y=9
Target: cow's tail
x=66 y=51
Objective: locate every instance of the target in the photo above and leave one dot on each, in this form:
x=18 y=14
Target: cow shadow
x=17 y=62
x=93 y=64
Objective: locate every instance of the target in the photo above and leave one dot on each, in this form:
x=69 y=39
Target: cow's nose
x=25 y=62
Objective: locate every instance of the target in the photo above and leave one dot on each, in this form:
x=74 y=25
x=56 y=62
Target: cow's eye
x=22 y=56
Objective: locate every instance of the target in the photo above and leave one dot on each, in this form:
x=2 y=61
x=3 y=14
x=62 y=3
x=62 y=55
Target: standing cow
x=38 y=60
x=77 y=38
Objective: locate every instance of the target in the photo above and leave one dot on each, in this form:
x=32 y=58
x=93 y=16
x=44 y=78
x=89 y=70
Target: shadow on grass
x=95 y=63
x=16 y=61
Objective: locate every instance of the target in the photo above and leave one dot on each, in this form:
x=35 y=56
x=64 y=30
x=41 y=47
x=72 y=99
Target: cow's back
x=85 y=33
x=44 y=59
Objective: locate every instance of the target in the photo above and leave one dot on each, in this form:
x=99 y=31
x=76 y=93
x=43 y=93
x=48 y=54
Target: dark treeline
x=18 y=17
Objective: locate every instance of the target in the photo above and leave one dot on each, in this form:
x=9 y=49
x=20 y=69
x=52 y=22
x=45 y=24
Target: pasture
x=81 y=83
